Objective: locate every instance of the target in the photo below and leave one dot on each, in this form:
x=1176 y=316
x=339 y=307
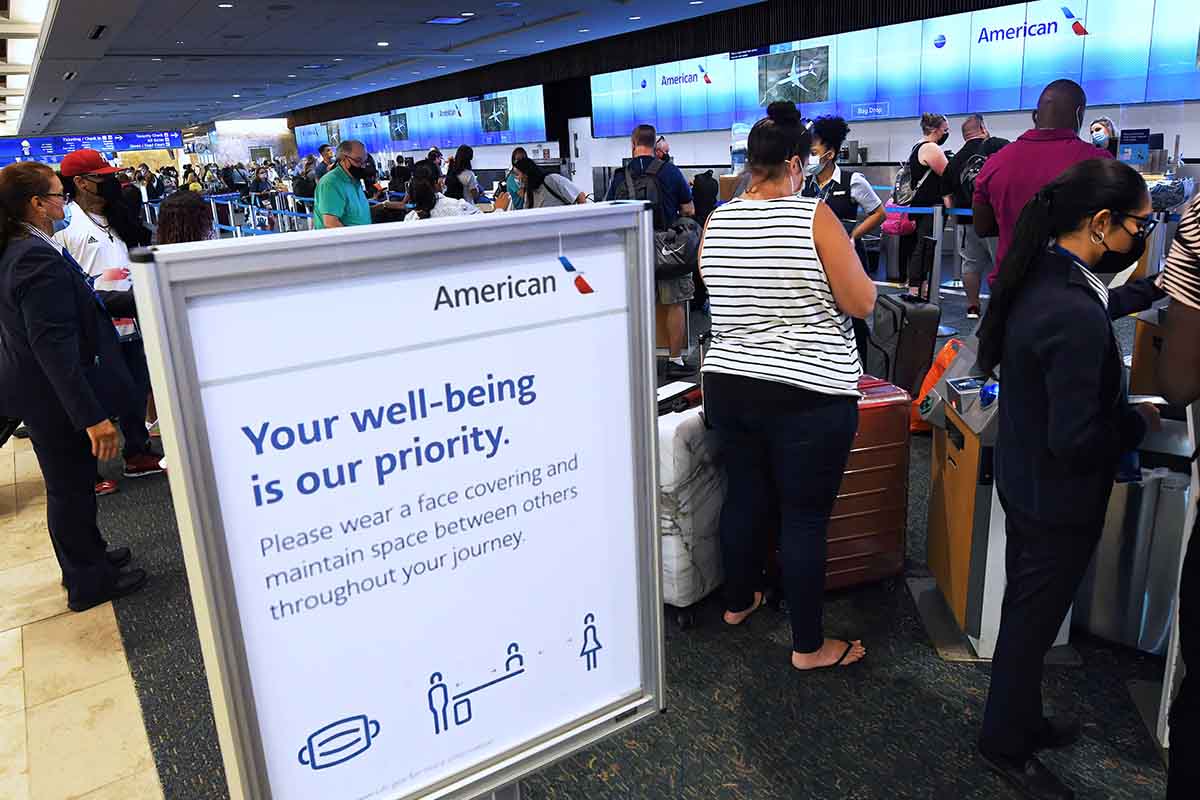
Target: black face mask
x=1114 y=261
x=945 y=138
x=109 y=188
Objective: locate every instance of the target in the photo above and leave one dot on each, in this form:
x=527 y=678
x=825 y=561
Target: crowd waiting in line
x=785 y=279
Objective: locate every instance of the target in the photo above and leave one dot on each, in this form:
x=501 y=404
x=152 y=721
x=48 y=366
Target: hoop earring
x=1097 y=238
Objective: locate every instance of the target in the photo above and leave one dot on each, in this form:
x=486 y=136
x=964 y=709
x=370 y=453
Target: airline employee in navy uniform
x=1065 y=424
x=846 y=193
x=62 y=372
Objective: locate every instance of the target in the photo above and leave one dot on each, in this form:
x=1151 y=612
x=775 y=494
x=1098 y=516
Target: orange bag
x=940 y=365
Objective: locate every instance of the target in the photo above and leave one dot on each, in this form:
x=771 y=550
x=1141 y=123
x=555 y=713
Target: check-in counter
x=966 y=521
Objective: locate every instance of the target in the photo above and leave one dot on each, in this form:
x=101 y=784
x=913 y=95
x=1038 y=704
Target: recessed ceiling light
x=505 y=50
x=224 y=5
x=339 y=59
x=634 y=19
x=441 y=66
x=446 y=21
x=291 y=76
x=585 y=30
x=696 y=3
x=179 y=41
x=468 y=59
x=416 y=72
x=156 y=59
x=466 y=13
x=540 y=41
x=508 y=4
x=382 y=44
x=237 y=95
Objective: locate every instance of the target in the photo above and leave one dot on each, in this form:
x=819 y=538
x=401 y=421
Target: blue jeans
x=783 y=448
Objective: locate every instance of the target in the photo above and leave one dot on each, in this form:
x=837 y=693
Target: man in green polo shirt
x=340 y=200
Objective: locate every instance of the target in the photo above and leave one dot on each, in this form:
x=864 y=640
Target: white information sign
x=427 y=554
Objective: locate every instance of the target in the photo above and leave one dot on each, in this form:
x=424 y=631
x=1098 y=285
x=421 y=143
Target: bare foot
x=738 y=617
x=832 y=652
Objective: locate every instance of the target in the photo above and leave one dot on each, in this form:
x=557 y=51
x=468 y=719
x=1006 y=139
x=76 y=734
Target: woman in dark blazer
x=61 y=371
x=1065 y=424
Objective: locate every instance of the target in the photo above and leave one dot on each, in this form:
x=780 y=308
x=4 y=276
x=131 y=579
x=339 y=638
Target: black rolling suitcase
x=904 y=335
x=900 y=350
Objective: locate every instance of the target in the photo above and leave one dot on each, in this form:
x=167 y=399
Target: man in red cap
x=102 y=228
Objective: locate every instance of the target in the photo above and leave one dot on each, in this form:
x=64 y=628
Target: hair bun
x=781 y=112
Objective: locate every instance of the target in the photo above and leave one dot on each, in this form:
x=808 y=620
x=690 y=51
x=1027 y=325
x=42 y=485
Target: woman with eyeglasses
x=63 y=373
x=1065 y=425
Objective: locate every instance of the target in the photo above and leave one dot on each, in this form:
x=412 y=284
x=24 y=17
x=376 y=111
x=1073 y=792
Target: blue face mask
x=1100 y=139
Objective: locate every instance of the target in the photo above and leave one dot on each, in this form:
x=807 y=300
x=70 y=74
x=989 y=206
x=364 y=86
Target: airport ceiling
x=116 y=65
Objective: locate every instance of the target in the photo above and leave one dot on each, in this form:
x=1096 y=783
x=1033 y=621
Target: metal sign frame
x=167 y=278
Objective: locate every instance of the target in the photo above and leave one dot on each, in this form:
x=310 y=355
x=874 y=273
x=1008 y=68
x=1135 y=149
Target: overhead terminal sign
x=36 y=146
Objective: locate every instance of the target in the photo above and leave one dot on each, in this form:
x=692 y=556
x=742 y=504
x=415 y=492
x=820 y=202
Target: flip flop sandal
x=759 y=602
x=841 y=662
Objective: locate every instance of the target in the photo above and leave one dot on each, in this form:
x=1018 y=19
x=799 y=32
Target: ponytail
x=1035 y=228
x=1061 y=206
x=422 y=188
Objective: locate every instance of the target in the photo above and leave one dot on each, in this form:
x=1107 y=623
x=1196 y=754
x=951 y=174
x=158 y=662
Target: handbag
x=898 y=223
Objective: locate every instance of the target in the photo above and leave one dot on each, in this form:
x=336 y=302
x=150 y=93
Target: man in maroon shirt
x=1012 y=176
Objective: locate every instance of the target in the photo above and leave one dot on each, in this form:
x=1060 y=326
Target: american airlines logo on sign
x=686 y=77
x=1028 y=30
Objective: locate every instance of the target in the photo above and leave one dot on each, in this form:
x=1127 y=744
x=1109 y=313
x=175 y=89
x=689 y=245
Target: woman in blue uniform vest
x=846 y=193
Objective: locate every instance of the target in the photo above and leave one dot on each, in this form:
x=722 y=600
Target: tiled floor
x=70 y=724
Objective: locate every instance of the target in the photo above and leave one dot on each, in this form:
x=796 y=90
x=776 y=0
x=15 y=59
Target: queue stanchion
x=935 y=270
x=935 y=273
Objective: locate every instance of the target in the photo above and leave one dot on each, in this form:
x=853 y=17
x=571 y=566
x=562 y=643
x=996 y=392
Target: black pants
x=783 y=448
x=1184 y=777
x=133 y=422
x=918 y=250
x=1045 y=565
x=69 y=470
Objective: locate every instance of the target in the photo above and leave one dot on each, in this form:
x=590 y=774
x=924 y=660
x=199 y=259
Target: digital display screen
x=35 y=146
x=510 y=117
x=986 y=61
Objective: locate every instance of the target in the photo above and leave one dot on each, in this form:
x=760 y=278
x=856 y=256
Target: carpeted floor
x=741 y=723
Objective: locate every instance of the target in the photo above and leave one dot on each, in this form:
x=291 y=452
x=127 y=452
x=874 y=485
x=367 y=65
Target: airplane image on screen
x=800 y=76
x=795 y=77
x=493 y=115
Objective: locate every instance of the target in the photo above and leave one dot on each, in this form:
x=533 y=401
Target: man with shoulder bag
x=676 y=234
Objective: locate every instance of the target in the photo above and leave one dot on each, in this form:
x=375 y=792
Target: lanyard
x=1076 y=260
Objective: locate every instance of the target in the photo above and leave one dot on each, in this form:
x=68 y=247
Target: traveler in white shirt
x=781 y=378
x=101 y=231
x=426 y=198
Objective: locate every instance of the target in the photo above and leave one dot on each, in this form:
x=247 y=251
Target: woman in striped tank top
x=781 y=378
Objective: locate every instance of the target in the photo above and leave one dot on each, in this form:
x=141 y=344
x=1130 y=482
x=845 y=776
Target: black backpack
x=646 y=186
x=705 y=191
x=454 y=187
x=304 y=186
x=676 y=246
x=969 y=171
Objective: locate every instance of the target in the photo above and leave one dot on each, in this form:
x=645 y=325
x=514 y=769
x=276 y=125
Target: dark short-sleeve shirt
x=951 y=178
x=676 y=191
x=1011 y=177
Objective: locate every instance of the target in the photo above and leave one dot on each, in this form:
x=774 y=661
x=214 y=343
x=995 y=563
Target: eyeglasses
x=1145 y=224
x=59 y=195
